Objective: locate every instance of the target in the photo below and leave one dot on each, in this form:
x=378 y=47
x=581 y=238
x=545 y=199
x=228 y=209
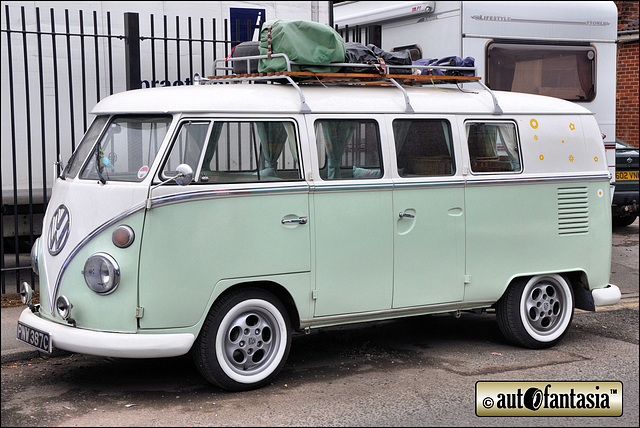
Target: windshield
x=126 y=149
x=87 y=143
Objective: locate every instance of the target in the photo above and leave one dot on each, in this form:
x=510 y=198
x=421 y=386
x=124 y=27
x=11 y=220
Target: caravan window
x=566 y=72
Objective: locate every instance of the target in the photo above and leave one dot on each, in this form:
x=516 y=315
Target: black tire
x=620 y=221
x=245 y=340
x=536 y=312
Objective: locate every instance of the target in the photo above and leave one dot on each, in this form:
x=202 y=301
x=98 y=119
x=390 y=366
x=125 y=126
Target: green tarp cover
x=305 y=42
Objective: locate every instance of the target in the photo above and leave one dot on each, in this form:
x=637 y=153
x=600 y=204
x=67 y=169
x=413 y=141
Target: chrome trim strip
x=480 y=180
x=84 y=242
x=198 y=195
x=362 y=187
x=370 y=316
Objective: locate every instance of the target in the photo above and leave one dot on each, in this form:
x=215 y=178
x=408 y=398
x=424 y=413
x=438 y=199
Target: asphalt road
x=418 y=371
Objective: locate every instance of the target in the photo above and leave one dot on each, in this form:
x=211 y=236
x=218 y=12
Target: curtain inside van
x=336 y=134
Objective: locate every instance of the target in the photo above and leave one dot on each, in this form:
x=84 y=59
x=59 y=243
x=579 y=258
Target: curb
x=13 y=355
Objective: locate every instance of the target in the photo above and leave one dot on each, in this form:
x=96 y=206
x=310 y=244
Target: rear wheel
x=536 y=312
x=244 y=341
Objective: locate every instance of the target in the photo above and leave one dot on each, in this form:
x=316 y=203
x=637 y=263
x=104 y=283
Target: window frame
x=452 y=149
x=379 y=126
x=590 y=96
x=235 y=120
x=493 y=122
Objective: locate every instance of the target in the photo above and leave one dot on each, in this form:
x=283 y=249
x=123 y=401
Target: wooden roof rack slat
x=306 y=77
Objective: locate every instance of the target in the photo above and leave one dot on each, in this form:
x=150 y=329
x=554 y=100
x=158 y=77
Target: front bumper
x=106 y=344
x=609 y=295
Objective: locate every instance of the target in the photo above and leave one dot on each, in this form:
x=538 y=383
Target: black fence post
x=132 y=50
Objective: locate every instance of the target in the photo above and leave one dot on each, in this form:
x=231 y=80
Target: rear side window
x=493 y=147
x=566 y=72
x=423 y=147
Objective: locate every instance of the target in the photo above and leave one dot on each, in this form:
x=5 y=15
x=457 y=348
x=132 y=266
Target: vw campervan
x=219 y=218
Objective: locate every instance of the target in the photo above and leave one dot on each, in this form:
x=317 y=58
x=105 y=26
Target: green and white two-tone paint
x=219 y=219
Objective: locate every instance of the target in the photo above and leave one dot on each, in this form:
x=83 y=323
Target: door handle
x=299 y=220
x=406 y=215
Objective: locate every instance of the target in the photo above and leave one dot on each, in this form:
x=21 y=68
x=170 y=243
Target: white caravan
x=555 y=48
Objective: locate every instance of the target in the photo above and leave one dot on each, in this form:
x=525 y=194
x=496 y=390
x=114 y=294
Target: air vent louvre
x=573 y=210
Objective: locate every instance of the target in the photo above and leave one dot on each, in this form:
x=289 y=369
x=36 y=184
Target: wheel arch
x=578 y=281
x=273 y=287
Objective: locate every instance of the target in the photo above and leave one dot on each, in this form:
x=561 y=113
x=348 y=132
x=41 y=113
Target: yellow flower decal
x=562 y=141
x=541 y=157
x=535 y=137
x=571 y=158
x=533 y=123
x=596 y=159
x=572 y=127
x=600 y=193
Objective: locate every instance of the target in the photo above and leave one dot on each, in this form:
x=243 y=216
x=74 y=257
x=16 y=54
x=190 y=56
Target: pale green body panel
x=509 y=235
x=190 y=247
x=354 y=251
x=112 y=312
x=429 y=250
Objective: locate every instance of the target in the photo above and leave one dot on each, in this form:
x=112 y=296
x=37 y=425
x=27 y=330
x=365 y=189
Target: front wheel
x=536 y=312
x=244 y=341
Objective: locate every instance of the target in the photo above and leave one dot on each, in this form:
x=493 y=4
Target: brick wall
x=627 y=94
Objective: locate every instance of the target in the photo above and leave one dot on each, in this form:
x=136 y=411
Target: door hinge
x=314 y=294
x=467 y=279
x=139 y=312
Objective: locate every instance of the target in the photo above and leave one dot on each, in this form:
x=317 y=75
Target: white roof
x=280 y=98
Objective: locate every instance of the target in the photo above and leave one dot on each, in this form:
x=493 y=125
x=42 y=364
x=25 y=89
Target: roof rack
x=377 y=77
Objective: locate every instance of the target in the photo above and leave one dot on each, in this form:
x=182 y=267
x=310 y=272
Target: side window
x=348 y=149
x=187 y=147
x=235 y=151
x=423 y=147
x=493 y=147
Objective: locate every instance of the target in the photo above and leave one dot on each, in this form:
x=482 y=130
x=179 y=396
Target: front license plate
x=626 y=175
x=34 y=337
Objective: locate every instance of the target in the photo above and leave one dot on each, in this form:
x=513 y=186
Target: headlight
x=102 y=273
x=34 y=256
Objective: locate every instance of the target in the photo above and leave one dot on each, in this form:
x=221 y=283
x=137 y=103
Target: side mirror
x=184 y=174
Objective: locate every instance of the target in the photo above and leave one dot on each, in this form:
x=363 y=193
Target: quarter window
x=348 y=149
x=566 y=72
x=493 y=147
x=423 y=147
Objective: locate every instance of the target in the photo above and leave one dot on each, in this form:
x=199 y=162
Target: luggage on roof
x=305 y=42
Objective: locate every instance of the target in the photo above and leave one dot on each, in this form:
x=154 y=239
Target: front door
x=245 y=216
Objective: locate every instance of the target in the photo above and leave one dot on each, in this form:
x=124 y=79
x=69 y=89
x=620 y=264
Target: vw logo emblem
x=59 y=230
